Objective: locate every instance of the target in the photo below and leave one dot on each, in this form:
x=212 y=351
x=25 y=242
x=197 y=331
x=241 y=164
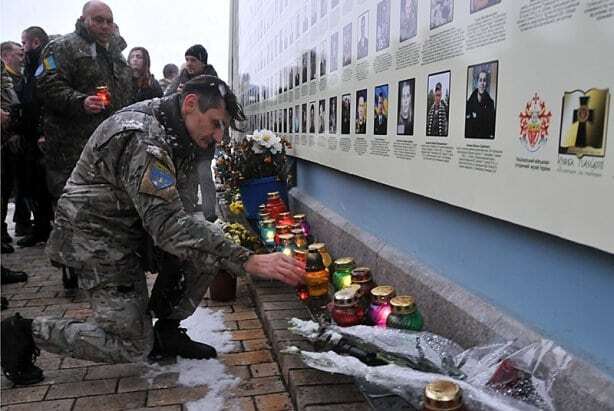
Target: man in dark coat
x=480 y=113
x=34 y=39
x=195 y=65
x=72 y=68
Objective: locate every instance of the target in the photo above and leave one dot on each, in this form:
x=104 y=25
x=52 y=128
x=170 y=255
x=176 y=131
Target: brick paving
x=72 y=384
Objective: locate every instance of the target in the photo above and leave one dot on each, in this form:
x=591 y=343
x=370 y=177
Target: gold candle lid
x=297 y=226
x=302 y=253
x=100 y=88
x=297 y=232
x=403 y=304
x=286 y=237
x=299 y=217
x=317 y=246
x=282 y=228
x=382 y=293
x=262 y=207
x=344 y=263
x=263 y=215
x=361 y=275
x=443 y=395
x=283 y=215
x=269 y=223
x=273 y=194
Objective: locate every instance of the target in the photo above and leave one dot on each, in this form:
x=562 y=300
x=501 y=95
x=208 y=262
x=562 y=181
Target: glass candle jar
x=267 y=233
x=285 y=218
x=300 y=218
x=301 y=290
x=342 y=277
x=379 y=310
x=361 y=276
x=103 y=93
x=316 y=277
x=346 y=312
x=443 y=395
x=261 y=217
x=286 y=245
x=299 y=239
x=326 y=258
x=274 y=204
x=279 y=230
x=404 y=314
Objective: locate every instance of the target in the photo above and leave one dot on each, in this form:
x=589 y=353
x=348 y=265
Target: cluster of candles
x=357 y=299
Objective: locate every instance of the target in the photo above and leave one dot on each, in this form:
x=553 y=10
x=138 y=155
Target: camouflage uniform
x=135 y=177
x=72 y=67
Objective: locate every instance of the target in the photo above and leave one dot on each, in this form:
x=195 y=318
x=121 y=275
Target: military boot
x=19 y=352
x=69 y=278
x=170 y=341
x=10 y=276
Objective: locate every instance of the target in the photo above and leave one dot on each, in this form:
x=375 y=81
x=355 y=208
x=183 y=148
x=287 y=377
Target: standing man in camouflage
x=72 y=67
x=133 y=179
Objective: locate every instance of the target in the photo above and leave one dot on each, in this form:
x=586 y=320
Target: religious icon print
x=584 y=122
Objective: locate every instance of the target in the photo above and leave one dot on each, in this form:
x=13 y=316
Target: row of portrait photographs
x=480 y=112
x=307 y=67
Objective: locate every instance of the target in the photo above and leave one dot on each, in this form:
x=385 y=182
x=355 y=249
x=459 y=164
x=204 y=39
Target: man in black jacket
x=33 y=39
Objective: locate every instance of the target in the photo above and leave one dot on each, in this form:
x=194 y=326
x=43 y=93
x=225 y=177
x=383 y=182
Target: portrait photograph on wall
x=408 y=20
x=481 y=109
x=322 y=116
x=438 y=104
x=334 y=51
x=362 y=44
x=312 y=63
x=304 y=118
x=290 y=121
x=442 y=12
x=584 y=122
x=304 y=66
x=312 y=117
x=323 y=54
x=347 y=44
x=477 y=5
x=332 y=115
x=382 y=32
x=380 y=115
x=405 y=107
x=296 y=122
x=346 y=112
x=361 y=112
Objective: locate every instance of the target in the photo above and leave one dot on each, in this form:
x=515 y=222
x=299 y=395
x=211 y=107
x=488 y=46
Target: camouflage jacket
x=72 y=66
x=9 y=102
x=136 y=176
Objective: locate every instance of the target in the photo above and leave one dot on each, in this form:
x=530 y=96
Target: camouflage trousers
x=120 y=328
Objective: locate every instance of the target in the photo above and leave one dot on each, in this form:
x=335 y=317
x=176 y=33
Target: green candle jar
x=404 y=314
x=342 y=277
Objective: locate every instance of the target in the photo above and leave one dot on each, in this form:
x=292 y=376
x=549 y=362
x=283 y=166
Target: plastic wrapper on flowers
x=493 y=377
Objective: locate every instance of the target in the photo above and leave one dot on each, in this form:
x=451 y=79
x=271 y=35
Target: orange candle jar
x=316 y=276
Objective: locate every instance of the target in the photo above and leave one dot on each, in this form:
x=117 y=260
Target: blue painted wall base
x=563 y=289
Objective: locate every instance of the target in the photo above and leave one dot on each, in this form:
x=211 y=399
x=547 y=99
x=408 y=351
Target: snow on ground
x=206 y=326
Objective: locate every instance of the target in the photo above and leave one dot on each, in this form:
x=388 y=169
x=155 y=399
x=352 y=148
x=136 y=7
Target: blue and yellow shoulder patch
x=47 y=66
x=159 y=180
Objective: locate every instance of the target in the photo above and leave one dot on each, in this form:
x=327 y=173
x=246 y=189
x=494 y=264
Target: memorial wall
x=497 y=106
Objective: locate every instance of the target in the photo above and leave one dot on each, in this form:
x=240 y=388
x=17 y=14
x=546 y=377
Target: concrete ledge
x=309 y=389
x=450 y=310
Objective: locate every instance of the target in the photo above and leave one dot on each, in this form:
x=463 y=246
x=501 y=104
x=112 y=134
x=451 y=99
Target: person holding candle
x=141 y=157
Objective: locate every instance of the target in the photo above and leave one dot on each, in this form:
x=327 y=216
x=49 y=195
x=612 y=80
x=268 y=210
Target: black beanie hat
x=199 y=52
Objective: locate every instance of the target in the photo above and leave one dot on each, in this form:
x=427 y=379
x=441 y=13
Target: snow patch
x=206 y=326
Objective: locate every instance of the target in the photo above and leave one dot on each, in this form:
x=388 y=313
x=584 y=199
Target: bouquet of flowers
x=257 y=155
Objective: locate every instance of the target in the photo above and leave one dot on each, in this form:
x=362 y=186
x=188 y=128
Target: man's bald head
x=98 y=19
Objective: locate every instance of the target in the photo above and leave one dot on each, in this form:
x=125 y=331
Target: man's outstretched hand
x=276 y=266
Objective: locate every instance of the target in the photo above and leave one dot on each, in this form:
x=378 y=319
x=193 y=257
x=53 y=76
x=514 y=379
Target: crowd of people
x=108 y=161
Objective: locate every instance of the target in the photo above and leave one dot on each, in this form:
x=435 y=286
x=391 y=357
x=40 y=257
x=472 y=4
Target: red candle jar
x=346 y=312
x=275 y=205
x=103 y=93
x=361 y=276
x=285 y=219
x=279 y=230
